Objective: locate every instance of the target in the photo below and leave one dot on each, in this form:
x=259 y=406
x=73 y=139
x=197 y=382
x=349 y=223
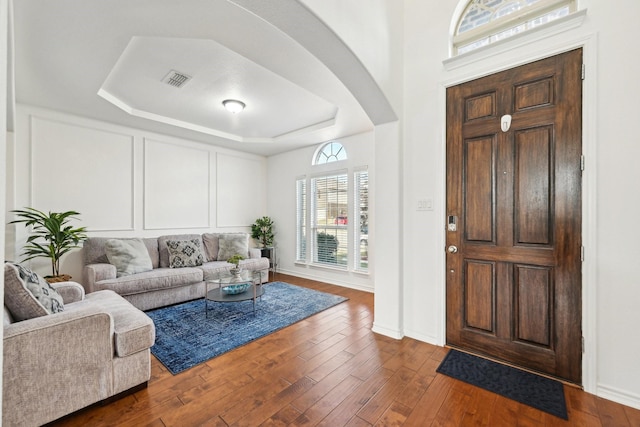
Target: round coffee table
x=227 y=287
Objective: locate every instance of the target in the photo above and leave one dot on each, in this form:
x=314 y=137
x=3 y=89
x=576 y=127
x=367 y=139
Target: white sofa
x=163 y=284
x=57 y=360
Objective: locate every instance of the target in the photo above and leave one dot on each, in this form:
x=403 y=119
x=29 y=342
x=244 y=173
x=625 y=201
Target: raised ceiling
x=106 y=59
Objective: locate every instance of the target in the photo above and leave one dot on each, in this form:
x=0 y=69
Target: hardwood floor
x=331 y=370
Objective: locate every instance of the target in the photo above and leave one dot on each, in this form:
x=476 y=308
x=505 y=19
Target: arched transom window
x=487 y=21
x=330 y=152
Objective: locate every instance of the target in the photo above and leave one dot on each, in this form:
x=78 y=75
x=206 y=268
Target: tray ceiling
x=105 y=59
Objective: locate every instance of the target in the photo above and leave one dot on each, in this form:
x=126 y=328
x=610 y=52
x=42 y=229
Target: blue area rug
x=533 y=390
x=186 y=337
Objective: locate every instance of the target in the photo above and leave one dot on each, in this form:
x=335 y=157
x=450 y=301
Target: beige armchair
x=55 y=364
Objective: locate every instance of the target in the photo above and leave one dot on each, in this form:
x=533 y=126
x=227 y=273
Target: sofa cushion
x=211 y=244
x=210 y=241
x=185 y=253
x=133 y=330
x=232 y=244
x=28 y=295
x=130 y=256
x=156 y=279
x=94 y=251
x=162 y=246
x=212 y=268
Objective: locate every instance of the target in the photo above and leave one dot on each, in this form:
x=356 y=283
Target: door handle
x=452 y=249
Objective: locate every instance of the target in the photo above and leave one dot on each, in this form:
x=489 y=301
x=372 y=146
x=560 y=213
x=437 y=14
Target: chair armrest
x=93 y=273
x=76 y=326
x=70 y=351
x=70 y=291
x=255 y=253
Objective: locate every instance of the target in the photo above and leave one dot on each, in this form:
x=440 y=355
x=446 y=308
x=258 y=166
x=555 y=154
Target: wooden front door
x=514 y=216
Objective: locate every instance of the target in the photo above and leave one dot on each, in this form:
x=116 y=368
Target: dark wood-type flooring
x=332 y=370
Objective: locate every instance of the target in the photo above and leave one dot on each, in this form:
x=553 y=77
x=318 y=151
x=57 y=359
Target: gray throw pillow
x=28 y=295
x=232 y=244
x=184 y=253
x=210 y=241
x=130 y=256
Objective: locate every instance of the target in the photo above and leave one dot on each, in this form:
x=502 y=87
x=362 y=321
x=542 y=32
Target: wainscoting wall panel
x=176 y=186
x=83 y=169
x=239 y=179
x=126 y=182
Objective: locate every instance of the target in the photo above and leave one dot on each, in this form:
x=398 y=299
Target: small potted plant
x=51 y=237
x=262 y=230
x=236 y=261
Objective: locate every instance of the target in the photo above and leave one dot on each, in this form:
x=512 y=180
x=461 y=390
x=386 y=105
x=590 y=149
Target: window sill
x=329 y=267
x=364 y=273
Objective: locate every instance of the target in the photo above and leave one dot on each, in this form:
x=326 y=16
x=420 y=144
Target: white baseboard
x=618 y=396
x=344 y=284
x=387 y=332
x=424 y=338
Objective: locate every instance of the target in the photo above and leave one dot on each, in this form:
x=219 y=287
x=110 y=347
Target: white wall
x=611 y=286
x=283 y=170
x=617 y=151
x=126 y=182
x=6 y=105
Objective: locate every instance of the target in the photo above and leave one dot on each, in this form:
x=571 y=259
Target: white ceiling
x=105 y=59
x=216 y=74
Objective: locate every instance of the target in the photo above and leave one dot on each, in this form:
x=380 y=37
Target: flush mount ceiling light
x=233 y=105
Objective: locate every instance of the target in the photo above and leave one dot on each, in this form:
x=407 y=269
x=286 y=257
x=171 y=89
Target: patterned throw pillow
x=28 y=295
x=130 y=256
x=231 y=244
x=184 y=253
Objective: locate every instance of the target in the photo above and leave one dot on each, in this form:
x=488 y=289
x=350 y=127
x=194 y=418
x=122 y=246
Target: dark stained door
x=514 y=200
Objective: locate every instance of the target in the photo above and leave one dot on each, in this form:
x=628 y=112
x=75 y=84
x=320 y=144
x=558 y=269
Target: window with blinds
x=332 y=213
x=361 y=212
x=329 y=209
x=301 y=220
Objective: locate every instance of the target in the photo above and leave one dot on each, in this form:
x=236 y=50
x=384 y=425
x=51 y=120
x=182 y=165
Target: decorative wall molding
x=176 y=186
x=550 y=46
x=237 y=178
x=103 y=178
x=85 y=169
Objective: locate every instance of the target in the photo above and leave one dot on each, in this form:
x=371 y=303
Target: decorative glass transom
x=487 y=21
x=330 y=152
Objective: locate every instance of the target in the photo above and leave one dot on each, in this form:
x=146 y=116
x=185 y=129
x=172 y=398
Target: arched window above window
x=487 y=21
x=330 y=152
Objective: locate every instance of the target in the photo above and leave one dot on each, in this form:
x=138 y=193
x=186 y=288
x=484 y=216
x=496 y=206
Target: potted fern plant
x=51 y=237
x=262 y=231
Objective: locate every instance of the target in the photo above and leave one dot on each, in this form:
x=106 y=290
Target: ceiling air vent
x=176 y=78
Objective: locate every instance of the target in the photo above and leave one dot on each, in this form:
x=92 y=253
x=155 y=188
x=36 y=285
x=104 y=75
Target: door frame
x=509 y=58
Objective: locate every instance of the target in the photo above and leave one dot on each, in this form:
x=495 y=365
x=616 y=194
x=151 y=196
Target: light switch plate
x=425 y=205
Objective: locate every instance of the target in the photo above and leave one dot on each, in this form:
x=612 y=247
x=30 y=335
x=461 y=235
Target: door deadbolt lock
x=452 y=223
x=452 y=249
